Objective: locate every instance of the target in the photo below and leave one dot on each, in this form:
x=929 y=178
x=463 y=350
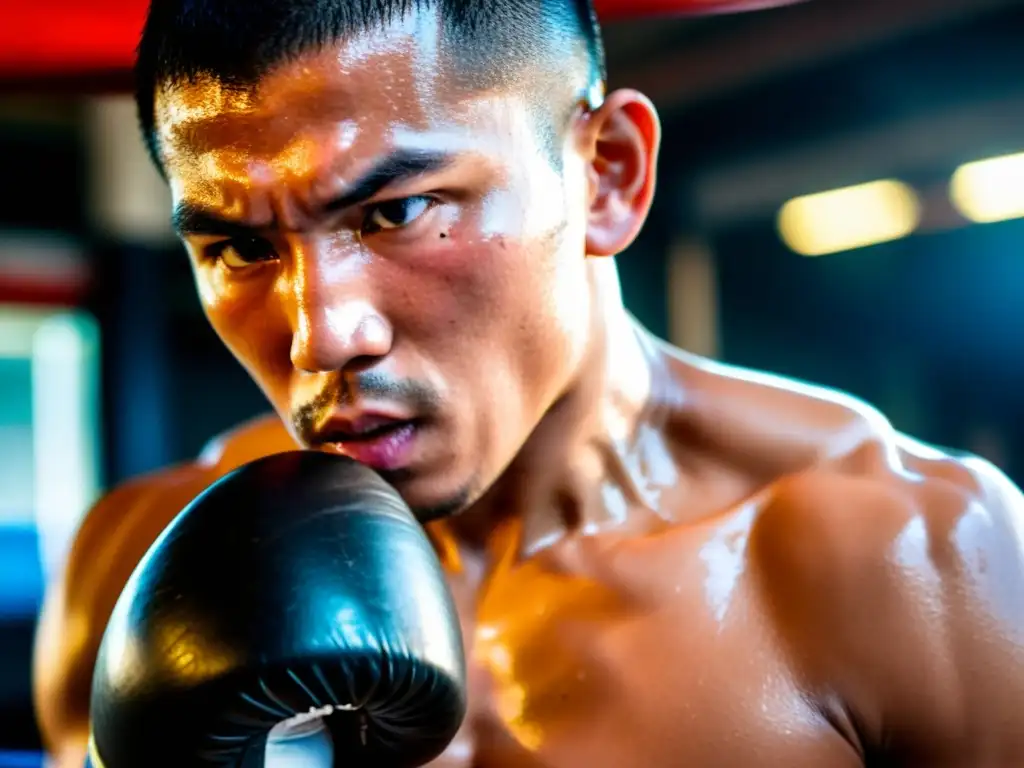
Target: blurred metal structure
x=682 y=62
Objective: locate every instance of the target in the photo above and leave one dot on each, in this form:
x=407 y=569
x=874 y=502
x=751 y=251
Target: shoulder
x=893 y=573
x=895 y=504
x=886 y=490
x=123 y=524
x=890 y=571
x=249 y=441
x=834 y=465
x=110 y=541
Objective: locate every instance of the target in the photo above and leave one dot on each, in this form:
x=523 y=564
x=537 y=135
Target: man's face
x=392 y=257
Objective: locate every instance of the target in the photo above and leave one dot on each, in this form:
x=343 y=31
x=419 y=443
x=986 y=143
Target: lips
x=378 y=441
x=366 y=427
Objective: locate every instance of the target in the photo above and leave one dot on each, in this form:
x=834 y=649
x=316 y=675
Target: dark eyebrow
x=399 y=166
x=190 y=219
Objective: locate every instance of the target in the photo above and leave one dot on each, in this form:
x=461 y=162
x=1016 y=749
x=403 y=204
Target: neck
x=587 y=464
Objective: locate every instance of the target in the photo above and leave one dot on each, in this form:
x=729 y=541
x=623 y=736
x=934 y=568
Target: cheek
x=245 y=317
x=499 y=310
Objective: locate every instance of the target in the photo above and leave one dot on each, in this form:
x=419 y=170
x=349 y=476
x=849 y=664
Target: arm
x=112 y=539
x=902 y=599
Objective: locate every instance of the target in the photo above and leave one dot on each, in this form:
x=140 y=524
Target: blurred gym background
x=840 y=200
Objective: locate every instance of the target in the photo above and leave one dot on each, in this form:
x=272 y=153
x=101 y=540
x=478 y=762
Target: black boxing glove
x=298 y=588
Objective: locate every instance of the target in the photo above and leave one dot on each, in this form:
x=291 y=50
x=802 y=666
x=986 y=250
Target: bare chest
x=647 y=663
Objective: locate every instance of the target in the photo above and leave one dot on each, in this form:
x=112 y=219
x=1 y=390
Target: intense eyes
x=395 y=214
x=240 y=252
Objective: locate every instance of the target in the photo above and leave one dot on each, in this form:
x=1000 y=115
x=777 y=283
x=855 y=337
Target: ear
x=620 y=141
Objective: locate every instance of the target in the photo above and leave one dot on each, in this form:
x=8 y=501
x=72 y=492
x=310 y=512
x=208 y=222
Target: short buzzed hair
x=236 y=42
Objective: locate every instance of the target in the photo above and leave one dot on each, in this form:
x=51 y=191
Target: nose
x=336 y=325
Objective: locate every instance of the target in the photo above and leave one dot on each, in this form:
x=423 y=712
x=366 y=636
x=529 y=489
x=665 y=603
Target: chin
x=450 y=508
x=427 y=501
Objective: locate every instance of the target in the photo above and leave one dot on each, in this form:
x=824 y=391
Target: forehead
x=388 y=87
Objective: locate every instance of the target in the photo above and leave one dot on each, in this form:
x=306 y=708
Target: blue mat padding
x=21 y=572
x=20 y=760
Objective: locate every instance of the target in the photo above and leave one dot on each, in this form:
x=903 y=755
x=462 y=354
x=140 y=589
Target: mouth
x=379 y=442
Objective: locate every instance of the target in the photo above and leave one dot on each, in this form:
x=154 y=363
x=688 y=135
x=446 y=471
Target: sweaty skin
x=658 y=560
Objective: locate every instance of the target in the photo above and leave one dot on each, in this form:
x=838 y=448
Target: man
x=401 y=218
